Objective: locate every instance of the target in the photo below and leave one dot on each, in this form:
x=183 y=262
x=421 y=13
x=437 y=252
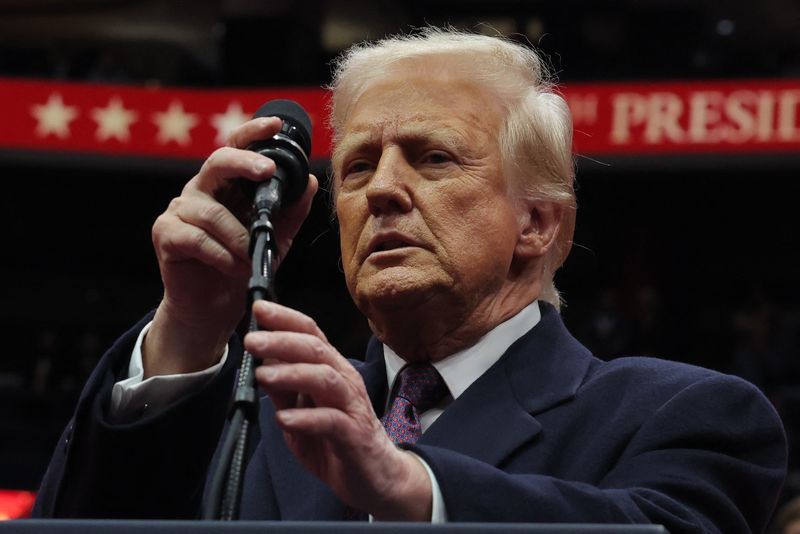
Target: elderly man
x=453 y=190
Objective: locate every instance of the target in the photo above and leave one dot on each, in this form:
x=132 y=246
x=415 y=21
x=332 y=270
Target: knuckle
x=219 y=259
x=242 y=239
x=310 y=324
x=304 y=323
x=160 y=230
x=213 y=159
x=319 y=349
x=158 y=224
x=211 y=213
x=175 y=205
x=199 y=239
x=329 y=377
x=165 y=246
x=330 y=421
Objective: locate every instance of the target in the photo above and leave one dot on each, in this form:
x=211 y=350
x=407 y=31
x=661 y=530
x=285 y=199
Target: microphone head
x=296 y=122
x=289 y=149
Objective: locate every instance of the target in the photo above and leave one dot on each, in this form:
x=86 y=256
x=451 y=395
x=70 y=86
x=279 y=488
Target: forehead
x=427 y=106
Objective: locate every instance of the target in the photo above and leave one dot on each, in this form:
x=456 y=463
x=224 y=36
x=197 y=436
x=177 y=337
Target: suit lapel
x=497 y=413
x=373 y=370
x=486 y=422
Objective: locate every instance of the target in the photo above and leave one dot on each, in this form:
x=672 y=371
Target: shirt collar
x=461 y=369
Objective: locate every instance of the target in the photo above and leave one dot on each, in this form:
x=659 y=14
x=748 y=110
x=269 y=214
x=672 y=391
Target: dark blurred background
x=687 y=258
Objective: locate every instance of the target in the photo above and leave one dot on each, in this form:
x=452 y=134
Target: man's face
x=425 y=214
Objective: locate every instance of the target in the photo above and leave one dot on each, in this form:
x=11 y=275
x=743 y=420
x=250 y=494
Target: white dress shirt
x=134 y=395
x=459 y=370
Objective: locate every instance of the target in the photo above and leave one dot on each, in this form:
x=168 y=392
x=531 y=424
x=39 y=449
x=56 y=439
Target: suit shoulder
x=637 y=365
x=660 y=397
x=663 y=377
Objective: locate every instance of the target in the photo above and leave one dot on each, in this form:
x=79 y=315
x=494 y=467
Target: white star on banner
x=226 y=122
x=114 y=121
x=54 y=117
x=174 y=124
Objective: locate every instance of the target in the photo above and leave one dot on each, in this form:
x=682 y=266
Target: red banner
x=610 y=119
x=686 y=117
x=141 y=121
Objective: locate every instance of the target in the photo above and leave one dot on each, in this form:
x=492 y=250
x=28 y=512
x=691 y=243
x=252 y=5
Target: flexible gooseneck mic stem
x=289 y=149
x=224 y=492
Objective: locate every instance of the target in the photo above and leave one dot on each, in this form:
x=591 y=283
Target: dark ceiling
x=257 y=42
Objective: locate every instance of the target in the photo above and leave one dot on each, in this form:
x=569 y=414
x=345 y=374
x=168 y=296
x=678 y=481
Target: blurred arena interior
x=688 y=256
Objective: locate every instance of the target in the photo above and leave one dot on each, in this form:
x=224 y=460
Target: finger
x=216 y=220
x=273 y=316
x=293 y=347
x=319 y=422
x=177 y=241
x=293 y=215
x=324 y=384
x=254 y=130
x=226 y=164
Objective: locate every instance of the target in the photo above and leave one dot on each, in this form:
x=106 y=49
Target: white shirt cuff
x=134 y=395
x=438 y=512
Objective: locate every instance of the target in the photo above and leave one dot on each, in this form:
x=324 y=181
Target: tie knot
x=421 y=385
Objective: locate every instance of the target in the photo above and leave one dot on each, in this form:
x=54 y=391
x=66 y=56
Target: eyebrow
x=350 y=143
x=362 y=138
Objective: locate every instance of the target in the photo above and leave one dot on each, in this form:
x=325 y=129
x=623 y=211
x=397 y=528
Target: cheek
x=350 y=227
x=471 y=218
x=450 y=206
x=488 y=236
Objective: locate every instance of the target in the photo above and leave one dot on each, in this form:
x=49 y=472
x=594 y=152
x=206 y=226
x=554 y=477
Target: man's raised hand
x=201 y=242
x=327 y=418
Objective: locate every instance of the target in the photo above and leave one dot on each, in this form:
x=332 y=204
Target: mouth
x=389 y=242
x=392 y=244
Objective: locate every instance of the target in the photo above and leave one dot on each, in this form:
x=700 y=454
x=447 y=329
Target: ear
x=540 y=224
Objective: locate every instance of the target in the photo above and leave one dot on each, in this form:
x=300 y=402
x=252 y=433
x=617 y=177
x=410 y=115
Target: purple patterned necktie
x=419 y=388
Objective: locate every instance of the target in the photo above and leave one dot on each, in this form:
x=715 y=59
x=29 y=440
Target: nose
x=389 y=188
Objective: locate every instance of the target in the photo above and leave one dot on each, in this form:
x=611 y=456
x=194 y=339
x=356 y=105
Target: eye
x=436 y=157
x=356 y=167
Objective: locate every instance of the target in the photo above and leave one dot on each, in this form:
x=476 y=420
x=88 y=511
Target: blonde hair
x=536 y=138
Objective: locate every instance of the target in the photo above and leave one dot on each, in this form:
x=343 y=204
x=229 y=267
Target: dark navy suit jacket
x=548 y=434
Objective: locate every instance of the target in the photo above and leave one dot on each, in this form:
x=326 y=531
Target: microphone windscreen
x=292 y=113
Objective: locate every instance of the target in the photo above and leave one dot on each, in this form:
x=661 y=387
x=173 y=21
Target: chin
x=395 y=289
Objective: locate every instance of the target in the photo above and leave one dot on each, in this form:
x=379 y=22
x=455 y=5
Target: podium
x=72 y=526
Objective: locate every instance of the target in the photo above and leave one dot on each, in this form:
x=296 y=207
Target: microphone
x=289 y=149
